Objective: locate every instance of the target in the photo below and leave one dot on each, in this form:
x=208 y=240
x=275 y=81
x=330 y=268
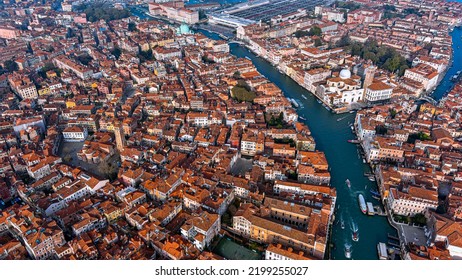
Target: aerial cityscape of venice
x=230 y=130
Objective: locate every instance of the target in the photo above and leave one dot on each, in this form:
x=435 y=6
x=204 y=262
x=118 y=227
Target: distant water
x=446 y=84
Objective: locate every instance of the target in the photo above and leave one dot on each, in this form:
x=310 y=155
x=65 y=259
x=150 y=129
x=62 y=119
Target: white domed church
x=341 y=90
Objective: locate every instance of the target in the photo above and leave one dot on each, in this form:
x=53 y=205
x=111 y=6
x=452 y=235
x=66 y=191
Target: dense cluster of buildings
x=109 y=154
x=174 y=10
x=414 y=148
x=342 y=81
x=416 y=157
x=134 y=139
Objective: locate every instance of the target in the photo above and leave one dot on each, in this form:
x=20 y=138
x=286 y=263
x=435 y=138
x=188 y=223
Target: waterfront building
x=342 y=90
x=378 y=91
x=415 y=201
x=174 y=10
x=424 y=74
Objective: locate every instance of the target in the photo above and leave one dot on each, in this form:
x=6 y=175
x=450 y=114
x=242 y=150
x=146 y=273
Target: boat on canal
x=344 y=165
x=370 y=209
x=347 y=251
x=355 y=234
x=294 y=102
x=302 y=118
x=382 y=251
x=348 y=183
x=362 y=203
x=304 y=97
x=354 y=141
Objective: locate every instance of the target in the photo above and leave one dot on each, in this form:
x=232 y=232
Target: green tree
x=11 y=66
x=315 y=31
x=317 y=42
x=241 y=94
x=381 y=130
x=85 y=59
x=419 y=219
x=343 y=42
x=101 y=10
x=116 y=52
x=418 y=136
x=383 y=56
x=393 y=113
x=370 y=56
x=132 y=26
x=146 y=55
x=301 y=33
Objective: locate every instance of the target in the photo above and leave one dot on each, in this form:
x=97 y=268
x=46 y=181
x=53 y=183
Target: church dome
x=183 y=29
x=345 y=74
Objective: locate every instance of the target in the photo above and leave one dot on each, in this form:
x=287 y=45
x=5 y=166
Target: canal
x=446 y=84
x=331 y=133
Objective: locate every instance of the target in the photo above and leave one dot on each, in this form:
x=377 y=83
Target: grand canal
x=331 y=133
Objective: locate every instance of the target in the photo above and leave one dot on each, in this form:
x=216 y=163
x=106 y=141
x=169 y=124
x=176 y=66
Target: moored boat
x=375 y=194
x=370 y=209
x=362 y=203
x=348 y=183
x=382 y=251
x=294 y=103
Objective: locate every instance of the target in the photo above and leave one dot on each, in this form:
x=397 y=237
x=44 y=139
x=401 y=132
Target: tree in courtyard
x=116 y=52
x=315 y=31
x=381 y=130
x=132 y=26
x=11 y=66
